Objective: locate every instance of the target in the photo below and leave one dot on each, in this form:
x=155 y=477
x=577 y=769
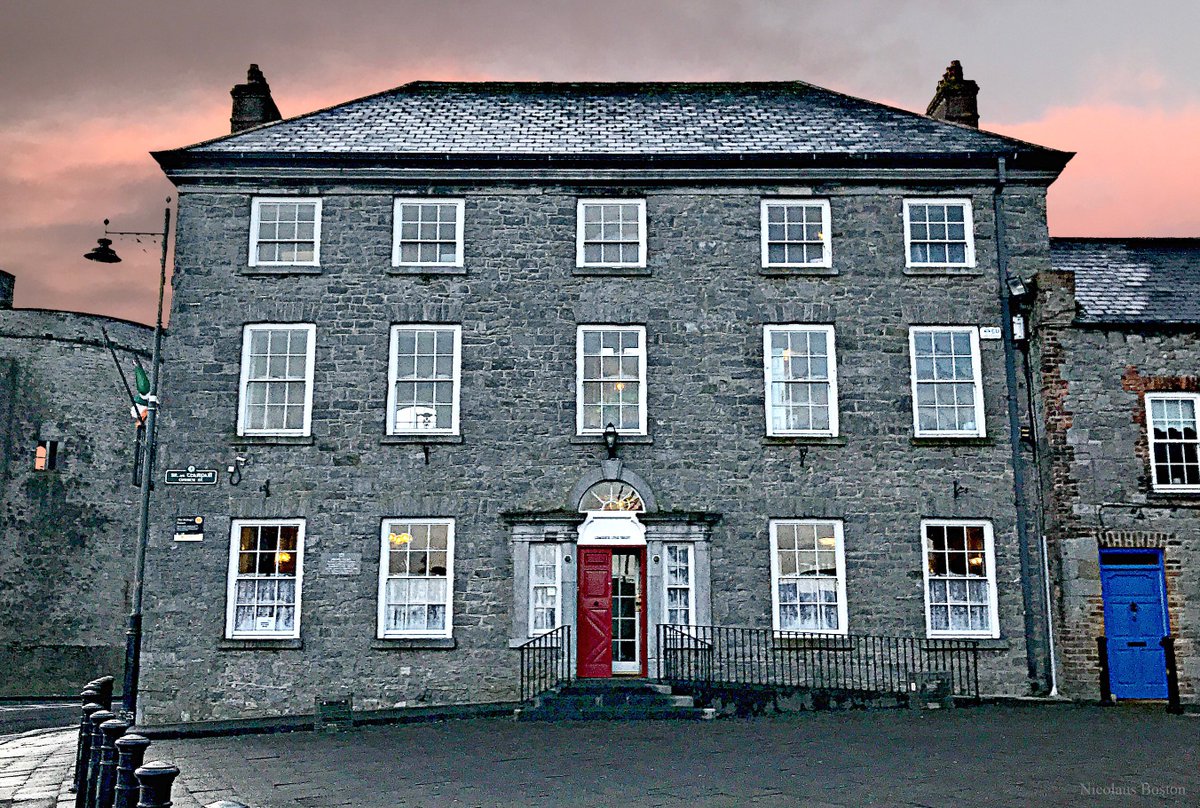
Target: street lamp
x=104 y=253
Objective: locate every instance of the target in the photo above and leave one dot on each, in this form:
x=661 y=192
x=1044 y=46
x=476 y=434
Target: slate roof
x=1132 y=280
x=618 y=119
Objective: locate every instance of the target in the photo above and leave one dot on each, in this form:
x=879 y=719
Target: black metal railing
x=761 y=657
x=545 y=662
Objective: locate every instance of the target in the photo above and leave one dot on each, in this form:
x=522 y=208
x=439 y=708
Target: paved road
x=23 y=717
x=984 y=756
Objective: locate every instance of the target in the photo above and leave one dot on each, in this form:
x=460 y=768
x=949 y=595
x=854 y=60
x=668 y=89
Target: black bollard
x=131 y=752
x=84 y=743
x=106 y=781
x=83 y=797
x=105 y=686
x=1174 y=706
x=155 y=781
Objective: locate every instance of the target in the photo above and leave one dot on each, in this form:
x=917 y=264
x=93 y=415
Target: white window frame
x=980 y=430
x=644 y=352
x=968 y=231
x=667 y=585
x=459 y=205
x=989 y=561
x=235 y=529
x=579 y=240
x=831 y=358
x=381 y=631
x=1151 y=442
x=457 y=380
x=826 y=242
x=839 y=561
x=558 y=589
x=286 y=200
x=247 y=330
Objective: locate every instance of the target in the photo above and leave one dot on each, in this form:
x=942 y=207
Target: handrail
x=545 y=662
x=762 y=657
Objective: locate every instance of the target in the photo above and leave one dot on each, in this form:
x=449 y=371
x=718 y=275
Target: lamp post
x=104 y=253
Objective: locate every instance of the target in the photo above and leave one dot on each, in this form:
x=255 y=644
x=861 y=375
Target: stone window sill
x=414 y=644
x=426 y=270
x=805 y=440
x=410 y=440
x=290 y=644
x=788 y=272
x=948 y=441
x=281 y=271
x=1184 y=499
x=622 y=440
x=982 y=643
x=966 y=271
x=614 y=272
x=274 y=440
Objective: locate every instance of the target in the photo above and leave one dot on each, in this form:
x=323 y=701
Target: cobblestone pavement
x=983 y=756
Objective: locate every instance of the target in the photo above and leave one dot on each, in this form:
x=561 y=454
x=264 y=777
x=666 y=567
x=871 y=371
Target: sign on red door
x=594 y=658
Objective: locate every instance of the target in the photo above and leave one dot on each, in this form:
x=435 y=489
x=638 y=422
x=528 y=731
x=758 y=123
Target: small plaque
x=990 y=332
x=189 y=528
x=342 y=564
x=335 y=715
x=190 y=476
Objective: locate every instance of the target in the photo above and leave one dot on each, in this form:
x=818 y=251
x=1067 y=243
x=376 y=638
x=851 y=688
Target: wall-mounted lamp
x=610 y=440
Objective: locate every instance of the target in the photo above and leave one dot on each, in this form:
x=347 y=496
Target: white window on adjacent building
x=795 y=233
x=277 y=379
x=960 y=579
x=423 y=379
x=611 y=379
x=265 y=571
x=545 y=586
x=679 y=585
x=801 y=380
x=611 y=233
x=1173 y=424
x=808 y=575
x=428 y=232
x=416 y=578
x=939 y=233
x=947 y=386
x=285 y=231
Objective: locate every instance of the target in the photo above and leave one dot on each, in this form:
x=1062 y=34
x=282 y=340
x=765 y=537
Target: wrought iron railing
x=719 y=656
x=545 y=662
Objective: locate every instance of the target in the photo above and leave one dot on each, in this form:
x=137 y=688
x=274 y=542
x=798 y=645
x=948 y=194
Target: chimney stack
x=252 y=102
x=956 y=99
x=7 y=282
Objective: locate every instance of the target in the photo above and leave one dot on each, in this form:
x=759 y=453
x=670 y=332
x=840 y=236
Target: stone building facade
x=67 y=502
x=394 y=533
x=1119 y=356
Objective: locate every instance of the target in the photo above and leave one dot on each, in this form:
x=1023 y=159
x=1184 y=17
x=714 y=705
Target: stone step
x=628 y=713
x=580 y=686
x=614 y=700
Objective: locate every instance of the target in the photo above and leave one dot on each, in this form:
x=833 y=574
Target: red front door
x=595 y=612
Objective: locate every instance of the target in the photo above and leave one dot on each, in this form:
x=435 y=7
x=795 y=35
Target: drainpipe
x=1014 y=429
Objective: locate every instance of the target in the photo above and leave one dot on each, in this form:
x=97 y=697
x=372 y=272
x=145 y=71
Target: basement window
x=45 y=456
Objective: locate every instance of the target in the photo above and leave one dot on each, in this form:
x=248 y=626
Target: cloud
x=1134 y=173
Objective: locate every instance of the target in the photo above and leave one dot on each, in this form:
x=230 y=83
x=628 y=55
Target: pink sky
x=80 y=118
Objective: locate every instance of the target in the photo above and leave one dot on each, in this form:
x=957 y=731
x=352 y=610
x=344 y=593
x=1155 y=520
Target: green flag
x=142 y=381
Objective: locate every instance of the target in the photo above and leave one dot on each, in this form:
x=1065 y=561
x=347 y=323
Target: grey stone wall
x=67 y=535
x=1093 y=394
x=703 y=303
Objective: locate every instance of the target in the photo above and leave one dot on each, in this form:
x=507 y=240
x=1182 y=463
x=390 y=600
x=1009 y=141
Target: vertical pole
x=1105 y=686
x=1014 y=431
x=1173 y=705
x=133 y=634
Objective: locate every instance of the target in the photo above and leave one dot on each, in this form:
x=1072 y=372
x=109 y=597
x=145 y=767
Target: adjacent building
x=67 y=499
x=475 y=361
x=1118 y=337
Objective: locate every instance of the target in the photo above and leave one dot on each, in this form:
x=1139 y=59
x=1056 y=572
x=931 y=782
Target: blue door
x=1135 y=619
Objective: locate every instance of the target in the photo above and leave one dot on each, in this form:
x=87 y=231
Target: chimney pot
x=956 y=99
x=252 y=102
